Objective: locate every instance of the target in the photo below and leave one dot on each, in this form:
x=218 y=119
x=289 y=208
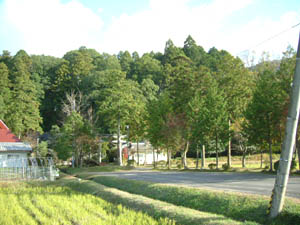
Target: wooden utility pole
x=288 y=144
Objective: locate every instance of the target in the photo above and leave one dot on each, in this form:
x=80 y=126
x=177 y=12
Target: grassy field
x=46 y=203
x=239 y=207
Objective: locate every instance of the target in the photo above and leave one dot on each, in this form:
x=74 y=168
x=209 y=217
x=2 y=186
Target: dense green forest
x=179 y=100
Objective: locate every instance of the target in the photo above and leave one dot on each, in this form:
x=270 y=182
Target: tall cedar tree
x=5 y=94
x=265 y=112
x=24 y=111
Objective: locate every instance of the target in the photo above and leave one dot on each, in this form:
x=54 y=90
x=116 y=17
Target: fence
x=27 y=169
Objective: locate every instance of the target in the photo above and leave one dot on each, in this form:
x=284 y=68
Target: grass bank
x=155 y=208
x=240 y=207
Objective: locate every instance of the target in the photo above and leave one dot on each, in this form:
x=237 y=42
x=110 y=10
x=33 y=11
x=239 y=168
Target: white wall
x=12 y=159
x=149 y=157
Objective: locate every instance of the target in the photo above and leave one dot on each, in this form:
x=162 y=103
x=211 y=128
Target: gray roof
x=15 y=146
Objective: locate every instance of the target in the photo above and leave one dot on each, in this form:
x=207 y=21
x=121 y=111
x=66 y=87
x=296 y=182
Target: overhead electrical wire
x=270 y=38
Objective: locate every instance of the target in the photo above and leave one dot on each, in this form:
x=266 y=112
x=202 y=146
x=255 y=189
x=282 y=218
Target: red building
x=11 y=147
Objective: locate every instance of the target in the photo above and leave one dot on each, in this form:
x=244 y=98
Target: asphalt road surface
x=254 y=183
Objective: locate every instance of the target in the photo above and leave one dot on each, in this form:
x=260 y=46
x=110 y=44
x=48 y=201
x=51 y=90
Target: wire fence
x=27 y=169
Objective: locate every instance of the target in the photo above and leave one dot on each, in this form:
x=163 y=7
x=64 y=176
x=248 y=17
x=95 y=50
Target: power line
x=270 y=38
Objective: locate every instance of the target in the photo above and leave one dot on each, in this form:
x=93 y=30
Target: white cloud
x=51 y=27
x=150 y=29
x=263 y=34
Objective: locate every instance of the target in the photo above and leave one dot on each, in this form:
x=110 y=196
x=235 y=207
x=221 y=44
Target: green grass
x=236 y=206
x=47 y=203
x=106 y=168
x=155 y=208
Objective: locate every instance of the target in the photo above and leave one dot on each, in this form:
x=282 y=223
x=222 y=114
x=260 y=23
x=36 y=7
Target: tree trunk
x=203 y=157
x=270 y=152
x=298 y=157
x=261 y=158
x=138 y=152
x=182 y=158
x=119 y=143
x=197 y=155
x=99 y=152
x=73 y=159
x=154 y=164
x=80 y=159
x=169 y=159
x=229 y=147
x=184 y=155
x=217 y=152
x=244 y=157
x=77 y=158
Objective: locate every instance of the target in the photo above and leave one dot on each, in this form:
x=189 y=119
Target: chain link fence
x=28 y=169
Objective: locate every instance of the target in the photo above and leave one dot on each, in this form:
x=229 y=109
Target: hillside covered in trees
x=179 y=100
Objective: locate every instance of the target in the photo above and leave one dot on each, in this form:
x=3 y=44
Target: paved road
x=254 y=183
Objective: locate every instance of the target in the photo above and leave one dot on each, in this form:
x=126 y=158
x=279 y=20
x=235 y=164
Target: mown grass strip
x=107 y=168
x=240 y=207
x=152 y=207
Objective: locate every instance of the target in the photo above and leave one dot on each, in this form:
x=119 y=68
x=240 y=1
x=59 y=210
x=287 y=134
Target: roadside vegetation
x=240 y=207
x=73 y=201
x=255 y=163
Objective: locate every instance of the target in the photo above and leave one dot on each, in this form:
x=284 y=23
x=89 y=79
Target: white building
x=145 y=154
x=13 y=152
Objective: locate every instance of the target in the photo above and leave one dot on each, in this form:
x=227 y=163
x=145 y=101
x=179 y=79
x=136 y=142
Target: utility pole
x=288 y=144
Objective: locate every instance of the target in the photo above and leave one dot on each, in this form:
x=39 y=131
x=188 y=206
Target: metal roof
x=6 y=135
x=15 y=146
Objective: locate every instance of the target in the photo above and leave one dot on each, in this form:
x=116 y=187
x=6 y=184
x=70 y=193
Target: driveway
x=254 y=183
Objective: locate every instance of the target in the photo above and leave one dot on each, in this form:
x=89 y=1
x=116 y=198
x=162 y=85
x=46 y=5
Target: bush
x=179 y=166
x=90 y=162
x=212 y=166
x=161 y=163
x=293 y=165
x=225 y=166
x=131 y=162
x=267 y=167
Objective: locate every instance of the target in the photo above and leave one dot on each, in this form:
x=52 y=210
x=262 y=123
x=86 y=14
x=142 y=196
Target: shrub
x=90 y=162
x=225 y=166
x=267 y=168
x=131 y=162
x=179 y=166
x=212 y=166
x=161 y=163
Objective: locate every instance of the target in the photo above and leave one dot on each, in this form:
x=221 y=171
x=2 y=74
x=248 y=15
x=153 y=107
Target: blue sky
x=53 y=27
